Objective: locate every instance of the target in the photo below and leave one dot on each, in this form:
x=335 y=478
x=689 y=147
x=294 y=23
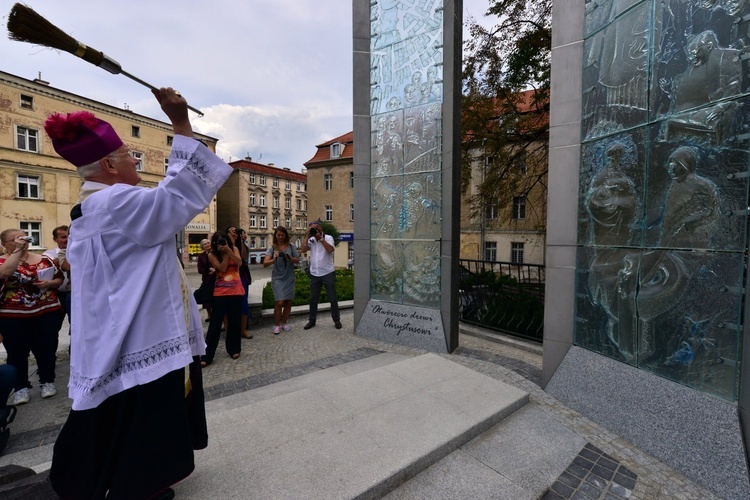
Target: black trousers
x=36 y=335
x=131 y=446
x=231 y=307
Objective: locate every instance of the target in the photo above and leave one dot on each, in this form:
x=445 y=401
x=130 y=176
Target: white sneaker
x=20 y=397
x=48 y=390
x=286 y=327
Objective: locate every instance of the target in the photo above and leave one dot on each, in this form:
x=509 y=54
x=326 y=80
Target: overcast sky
x=273 y=77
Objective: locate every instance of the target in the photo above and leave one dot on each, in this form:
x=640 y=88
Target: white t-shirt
x=321 y=261
x=52 y=254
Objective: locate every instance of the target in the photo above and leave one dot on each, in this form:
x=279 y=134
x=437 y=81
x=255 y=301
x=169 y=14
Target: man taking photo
x=321 y=247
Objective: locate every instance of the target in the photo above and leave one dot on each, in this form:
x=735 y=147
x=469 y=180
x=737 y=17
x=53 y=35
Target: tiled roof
x=268 y=170
x=324 y=149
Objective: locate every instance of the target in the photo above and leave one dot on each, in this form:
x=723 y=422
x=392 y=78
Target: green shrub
x=344 y=289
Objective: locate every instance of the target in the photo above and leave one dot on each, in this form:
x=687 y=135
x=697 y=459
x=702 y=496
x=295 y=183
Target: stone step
x=335 y=434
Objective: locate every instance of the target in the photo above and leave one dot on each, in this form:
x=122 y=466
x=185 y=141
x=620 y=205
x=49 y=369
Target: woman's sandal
x=247 y=335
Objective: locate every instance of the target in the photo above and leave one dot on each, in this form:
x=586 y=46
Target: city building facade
x=258 y=198
x=38 y=188
x=509 y=226
x=330 y=176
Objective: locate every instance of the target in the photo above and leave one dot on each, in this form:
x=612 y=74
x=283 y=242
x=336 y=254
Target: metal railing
x=503 y=296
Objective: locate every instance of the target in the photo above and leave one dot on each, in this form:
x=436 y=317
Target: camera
x=221 y=241
x=28 y=239
x=313 y=231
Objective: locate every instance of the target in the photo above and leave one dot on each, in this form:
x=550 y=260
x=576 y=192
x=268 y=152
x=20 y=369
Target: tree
x=505 y=115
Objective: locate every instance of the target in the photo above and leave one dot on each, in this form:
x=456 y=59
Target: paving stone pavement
x=269 y=358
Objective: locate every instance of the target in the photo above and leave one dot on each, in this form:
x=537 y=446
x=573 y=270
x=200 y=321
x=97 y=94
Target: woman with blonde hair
x=282 y=255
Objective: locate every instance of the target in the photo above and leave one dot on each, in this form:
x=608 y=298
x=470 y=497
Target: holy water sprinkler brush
x=25 y=25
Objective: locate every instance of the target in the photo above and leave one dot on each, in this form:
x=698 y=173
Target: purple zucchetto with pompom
x=81 y=138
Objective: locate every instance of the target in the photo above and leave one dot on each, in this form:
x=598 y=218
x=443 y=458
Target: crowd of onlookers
x=35 y=297
x=225 y=278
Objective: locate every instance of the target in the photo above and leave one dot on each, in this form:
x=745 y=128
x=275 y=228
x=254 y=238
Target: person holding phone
x=228 y=296
x=29 y=313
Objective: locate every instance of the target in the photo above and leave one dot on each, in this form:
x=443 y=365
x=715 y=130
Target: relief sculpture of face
x=733 y=7
x=612 y=200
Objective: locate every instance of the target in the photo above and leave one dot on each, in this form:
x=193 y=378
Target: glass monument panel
x=663 y=197
x=611 y=186
x=406 y=95
x=615 y=74
x=386 y=271
x=421 y=284
x=600 y=13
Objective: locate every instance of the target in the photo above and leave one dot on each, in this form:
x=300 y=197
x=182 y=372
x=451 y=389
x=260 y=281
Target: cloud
x=272 y=77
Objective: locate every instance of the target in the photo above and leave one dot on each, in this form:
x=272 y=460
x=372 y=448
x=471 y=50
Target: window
x=299 y=223
x=33 y=229
x=27 y=102
x=305 y=206
x=288 y=222
x=298 y=243
x=327 y=182
x=351 y=180
x=166 y=165
x=519 y=162
x=252 y=178
x=262 y=200
x=135 y=131
x=28 y=186
x=304 y=187
x=252 y=200
x=139 y=158
x=170 y=139
x=516 y=253
x=288 y=203
x=252 y=242
x=490 y=211
x=490 y=250
x=299 y=204
x=263 y=222
x=262 y=180
x=27 y=139
x=299 y=186
x=262 y=242
x=329 y=213
x=275 y=221
x=275 y=182
x=288 y=185
x=336 y=150
x=253 y=222
x=275 y=202
x=519 y=207
x=509 y=122
x=351 y=211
